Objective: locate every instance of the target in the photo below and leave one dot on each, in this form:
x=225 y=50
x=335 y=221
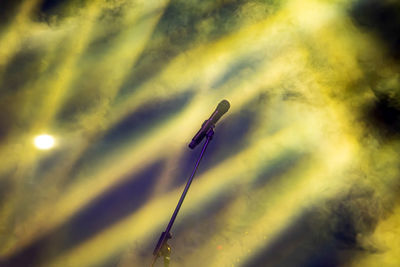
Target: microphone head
x=223 y=106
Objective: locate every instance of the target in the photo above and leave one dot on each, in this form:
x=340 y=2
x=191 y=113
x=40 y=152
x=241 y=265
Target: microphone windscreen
x=223 y=106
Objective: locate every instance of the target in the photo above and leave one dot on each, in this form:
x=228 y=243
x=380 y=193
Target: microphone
x=221 y=109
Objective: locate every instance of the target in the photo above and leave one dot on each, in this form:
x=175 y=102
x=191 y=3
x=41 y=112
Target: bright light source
x=44 y=141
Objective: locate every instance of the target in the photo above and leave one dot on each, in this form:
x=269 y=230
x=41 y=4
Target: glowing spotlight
x=44 y=141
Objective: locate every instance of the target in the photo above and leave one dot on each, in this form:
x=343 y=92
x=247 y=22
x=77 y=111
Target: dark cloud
x=8 y=10
x=382 y=20
x=382 y=17
x=383 y=117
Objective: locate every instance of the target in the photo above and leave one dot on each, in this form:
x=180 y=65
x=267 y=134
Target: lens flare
x=44 y=142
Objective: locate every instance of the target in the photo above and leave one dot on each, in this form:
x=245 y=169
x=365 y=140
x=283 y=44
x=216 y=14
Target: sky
x=303 y=170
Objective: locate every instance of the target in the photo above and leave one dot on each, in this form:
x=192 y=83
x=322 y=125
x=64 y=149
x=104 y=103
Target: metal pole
x=166 y=234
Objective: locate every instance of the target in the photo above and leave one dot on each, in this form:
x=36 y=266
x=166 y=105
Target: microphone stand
x=162 y=247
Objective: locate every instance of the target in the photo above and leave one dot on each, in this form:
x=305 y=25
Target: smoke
x=302 y=171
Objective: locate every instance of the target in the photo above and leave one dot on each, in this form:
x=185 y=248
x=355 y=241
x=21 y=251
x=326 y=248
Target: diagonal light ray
x=131 y=43
x=245 y=161
x=54 y=99
x=126 y=159
x=12 y=36
x=304 y=81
